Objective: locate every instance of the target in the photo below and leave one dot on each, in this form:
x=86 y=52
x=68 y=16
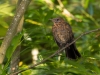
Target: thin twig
x=58 y=51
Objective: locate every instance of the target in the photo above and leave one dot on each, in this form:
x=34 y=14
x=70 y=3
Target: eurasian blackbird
x=63 y=35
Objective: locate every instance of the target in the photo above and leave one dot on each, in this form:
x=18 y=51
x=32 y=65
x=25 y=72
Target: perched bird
x=63 y=35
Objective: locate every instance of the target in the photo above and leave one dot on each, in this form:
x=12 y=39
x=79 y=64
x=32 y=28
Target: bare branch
x=14 y=64
x=58 y=51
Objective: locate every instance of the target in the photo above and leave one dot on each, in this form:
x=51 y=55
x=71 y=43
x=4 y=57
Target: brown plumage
x=63 y=35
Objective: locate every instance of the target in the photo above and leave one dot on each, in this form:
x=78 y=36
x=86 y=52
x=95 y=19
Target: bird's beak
x=51 y=20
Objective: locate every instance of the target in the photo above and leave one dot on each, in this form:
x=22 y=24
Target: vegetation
x=82 y=15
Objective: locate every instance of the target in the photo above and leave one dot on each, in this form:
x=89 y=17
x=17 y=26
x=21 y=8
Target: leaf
x=5 y=9
x=48 y=16
x=3 y=23
x=90 y=9
x=15 y=42
x=86 y=3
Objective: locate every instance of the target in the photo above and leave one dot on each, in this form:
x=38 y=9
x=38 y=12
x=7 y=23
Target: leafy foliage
x=37 y=34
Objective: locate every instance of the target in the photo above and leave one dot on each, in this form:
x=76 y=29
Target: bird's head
x=57 y=20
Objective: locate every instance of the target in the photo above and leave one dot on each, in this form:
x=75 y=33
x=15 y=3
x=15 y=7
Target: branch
x=15 y=58
x=13 y=28
x=58 y=51
x=65 y=12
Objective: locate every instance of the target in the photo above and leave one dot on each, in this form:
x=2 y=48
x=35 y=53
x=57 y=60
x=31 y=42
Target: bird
x=63 y=35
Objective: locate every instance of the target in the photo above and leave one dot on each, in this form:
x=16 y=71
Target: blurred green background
x=83 y=15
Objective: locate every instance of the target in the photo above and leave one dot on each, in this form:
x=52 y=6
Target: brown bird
x=63 y=35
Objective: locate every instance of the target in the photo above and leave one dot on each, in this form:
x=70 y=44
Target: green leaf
x=15 y=42
x=86 y=3
x=5 y=9
x=48 y=16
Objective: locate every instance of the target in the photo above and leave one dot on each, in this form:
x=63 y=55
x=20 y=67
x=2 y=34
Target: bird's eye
x=57 y=19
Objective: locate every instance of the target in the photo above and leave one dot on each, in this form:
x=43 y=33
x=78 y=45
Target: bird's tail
x=72 y=52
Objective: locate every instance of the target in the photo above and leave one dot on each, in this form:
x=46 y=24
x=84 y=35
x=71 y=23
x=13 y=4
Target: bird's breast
x=61 y=33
